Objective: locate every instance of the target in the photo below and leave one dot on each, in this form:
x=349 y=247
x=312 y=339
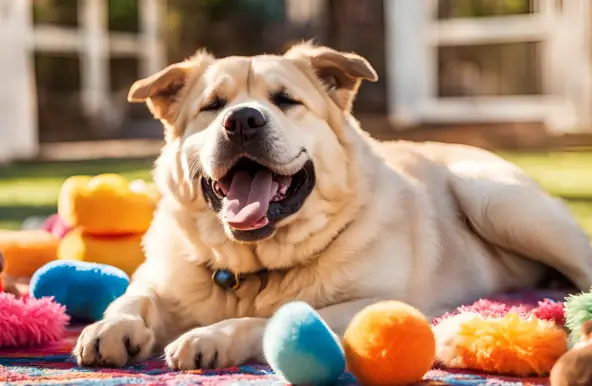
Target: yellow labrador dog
x=273 y=193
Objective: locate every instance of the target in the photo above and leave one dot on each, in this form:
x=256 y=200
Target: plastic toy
x=27 y=250
x=30 y=322
x=389 y=343
x=109 y=216
x=85 y=289
x=301 y=348
x=107 y=204
x=123 y=252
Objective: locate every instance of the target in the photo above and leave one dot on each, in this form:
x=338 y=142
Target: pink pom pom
x=28 y=321
x=550 y=310
x=545 y=310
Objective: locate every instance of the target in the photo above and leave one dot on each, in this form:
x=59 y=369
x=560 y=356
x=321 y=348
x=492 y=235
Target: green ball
x=578 y=309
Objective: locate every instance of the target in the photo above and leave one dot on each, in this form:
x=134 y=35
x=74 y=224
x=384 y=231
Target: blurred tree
x=62 y=12
x=482 y=8
x=222 y=26
x=123 y=15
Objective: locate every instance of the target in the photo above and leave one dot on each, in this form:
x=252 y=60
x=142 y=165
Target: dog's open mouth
x=251 y=197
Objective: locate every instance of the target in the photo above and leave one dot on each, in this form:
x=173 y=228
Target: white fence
x=563 y=28
x=92 y=41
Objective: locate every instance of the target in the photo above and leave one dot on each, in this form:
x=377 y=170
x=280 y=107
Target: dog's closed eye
x=283 y=100
x=213 y=104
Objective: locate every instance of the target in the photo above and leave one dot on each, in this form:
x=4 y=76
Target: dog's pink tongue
x=248 y=199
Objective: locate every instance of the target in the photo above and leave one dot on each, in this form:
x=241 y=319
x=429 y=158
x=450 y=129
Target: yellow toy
x=507 y=345
x=389 y=343
x=107 y=204
x=109 y=216
x=123 y=252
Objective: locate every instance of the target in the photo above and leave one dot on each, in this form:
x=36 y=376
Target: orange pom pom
x=389 y=343
x=510 y=345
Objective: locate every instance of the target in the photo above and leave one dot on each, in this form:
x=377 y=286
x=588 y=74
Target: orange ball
x=389 y=343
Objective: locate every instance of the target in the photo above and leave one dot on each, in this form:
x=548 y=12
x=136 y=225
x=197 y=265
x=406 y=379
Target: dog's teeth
x=218 y=189
x=278 y=197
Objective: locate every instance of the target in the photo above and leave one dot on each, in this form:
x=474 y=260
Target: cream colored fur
x=430 y=224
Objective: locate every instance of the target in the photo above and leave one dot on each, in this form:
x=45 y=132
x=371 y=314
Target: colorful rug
x=53 y=365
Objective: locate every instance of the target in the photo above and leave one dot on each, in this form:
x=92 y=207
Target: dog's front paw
x=204 y=348
x=113 y=342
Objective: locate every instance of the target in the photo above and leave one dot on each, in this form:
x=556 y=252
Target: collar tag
x=227 y=279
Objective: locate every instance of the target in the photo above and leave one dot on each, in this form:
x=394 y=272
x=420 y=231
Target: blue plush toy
x=85 y=289
x=300 y=347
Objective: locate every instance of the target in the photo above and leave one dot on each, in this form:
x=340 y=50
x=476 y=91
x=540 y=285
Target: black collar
x=232 y=281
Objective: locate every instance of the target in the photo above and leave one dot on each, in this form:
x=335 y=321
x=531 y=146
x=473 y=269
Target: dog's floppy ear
x=341 y=72
x=164 y=90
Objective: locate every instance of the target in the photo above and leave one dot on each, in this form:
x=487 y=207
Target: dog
x=271 y=192
x=574 y=367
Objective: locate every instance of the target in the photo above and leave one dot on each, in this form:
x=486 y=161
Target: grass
x=31 y=189
x=564 y=174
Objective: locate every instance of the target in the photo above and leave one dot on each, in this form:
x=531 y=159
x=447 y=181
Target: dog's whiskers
x=194 y=169
x=190 y=162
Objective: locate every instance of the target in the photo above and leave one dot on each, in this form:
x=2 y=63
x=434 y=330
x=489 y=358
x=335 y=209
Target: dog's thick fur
x=430 y=224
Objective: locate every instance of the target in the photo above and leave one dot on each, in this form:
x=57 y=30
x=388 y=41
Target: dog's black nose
x=244 y=123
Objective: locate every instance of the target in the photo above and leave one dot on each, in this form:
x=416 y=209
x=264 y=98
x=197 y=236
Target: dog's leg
x=230 y=342
x=132 y=325
x=508 y=210
x=233 y=342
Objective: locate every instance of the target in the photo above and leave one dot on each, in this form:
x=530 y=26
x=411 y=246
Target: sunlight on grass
x=583 y=213
x=566 y=174
x=7 y=224
x=39 y=184
x=31 y=189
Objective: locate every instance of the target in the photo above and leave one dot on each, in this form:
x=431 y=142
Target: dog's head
x=258 y=137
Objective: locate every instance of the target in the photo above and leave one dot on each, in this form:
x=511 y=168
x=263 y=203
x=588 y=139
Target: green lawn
x=31 y=189
x=28 y=189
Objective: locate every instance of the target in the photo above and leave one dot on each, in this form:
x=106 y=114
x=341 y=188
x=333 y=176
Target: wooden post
x=578 y=69
x=408 y=52
x=18 y=104
x=92 y=18
x=152 y=54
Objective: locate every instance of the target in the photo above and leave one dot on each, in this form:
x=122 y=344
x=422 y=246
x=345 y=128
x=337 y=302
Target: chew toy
x=301 y=348
x=124 y=252
x=107 y=204
x=510 y=344
x=85 y=289
x=502 y=337
x=578 y=310
x=389 y=343
x=30 y=322
x=27 y=250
